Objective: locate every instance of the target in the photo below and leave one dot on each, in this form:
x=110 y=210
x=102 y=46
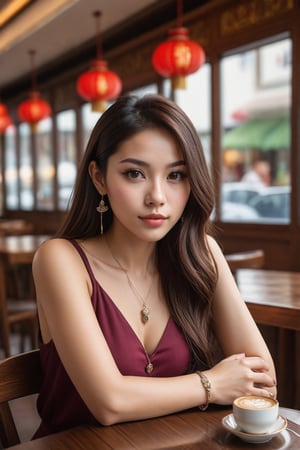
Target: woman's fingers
x=262 y=379
x=239 y=375
x=262 y=392
x=255 y=363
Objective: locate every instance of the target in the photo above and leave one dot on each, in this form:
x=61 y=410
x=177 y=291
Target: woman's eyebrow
x=140 y=162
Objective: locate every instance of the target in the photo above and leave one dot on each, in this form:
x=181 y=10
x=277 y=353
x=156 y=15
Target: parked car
x=236 y=197
x=239 y=192
x=273 y=203
x=242 y=202
x=237 y=212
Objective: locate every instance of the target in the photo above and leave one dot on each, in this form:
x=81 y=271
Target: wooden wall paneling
x=286 y=369
x=284 y=346
x=278 y=242
x=297 y=369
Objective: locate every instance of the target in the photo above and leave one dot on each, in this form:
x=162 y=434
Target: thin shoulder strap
x=84 y=259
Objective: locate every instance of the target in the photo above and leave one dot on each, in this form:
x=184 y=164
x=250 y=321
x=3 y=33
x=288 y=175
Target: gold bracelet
x=207 y=386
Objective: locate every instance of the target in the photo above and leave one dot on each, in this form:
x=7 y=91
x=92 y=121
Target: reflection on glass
x=45 y=166
x=66 y=173
x=256 y=100
x=25 y=169
x=195 y=100
x=10 y=169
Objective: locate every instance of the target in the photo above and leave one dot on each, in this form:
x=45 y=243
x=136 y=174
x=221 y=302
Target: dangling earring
x=101 y=208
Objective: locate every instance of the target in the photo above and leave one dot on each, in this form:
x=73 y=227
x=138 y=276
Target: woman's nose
x=155 y=195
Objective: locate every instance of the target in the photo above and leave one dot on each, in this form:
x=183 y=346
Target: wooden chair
x=20 y=376
x=17 y=313
x=21 y=317
x=252 y=259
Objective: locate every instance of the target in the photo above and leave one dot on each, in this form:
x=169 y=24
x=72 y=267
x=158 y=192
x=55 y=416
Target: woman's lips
x=153 y=220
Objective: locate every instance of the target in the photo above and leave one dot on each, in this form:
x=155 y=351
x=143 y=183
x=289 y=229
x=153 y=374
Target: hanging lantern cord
x=179 y=13
x=33 y=72
x=97 y=15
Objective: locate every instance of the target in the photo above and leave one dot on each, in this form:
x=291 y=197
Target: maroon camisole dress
x=59 y=404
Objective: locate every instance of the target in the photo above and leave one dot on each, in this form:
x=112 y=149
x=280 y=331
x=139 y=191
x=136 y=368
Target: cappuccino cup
x=255 y=414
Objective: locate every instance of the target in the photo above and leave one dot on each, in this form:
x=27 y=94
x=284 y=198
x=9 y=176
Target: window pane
x=89 y=119
x=167 y=88
x=144 y=90
x=26 y=170
x=195 y=100
x=256 y=100
x=10 y=170
x=45 y=166
x=66 y=126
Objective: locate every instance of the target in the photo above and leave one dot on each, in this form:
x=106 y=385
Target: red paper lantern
x=34 y=109
x=178 y=57
x=3 y=110
x=5 y=119
x=5 y=122
x=99 y=85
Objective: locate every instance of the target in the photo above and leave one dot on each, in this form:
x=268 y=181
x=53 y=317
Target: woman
x=133 y=291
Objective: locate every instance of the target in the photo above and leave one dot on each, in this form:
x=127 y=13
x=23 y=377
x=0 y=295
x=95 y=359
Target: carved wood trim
x=250 y=13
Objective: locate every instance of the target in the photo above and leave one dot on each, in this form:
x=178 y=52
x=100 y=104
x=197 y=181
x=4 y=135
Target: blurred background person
x=259 y=174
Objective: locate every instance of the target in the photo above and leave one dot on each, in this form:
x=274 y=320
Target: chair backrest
x=252 y=259
x=20 y=375
x=16 y=307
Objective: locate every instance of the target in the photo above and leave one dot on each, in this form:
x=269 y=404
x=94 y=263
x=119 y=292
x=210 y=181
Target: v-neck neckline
x=91 y=274
x=130 y=327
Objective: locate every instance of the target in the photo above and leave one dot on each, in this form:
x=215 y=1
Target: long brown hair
x=184 y=262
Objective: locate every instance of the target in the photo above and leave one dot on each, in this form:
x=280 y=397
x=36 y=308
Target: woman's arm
x=237 y=333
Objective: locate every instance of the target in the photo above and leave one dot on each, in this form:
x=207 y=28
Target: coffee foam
x=251 y=402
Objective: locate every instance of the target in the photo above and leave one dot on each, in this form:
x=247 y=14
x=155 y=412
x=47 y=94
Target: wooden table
x=20 y=249
x=14 y=251
x=15 y=227
x=273 y=298
x=187 y=430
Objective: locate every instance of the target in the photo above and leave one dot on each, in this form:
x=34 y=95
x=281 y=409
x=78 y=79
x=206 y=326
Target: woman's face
x=147 y=185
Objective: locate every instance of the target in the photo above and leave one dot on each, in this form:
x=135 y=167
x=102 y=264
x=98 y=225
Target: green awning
x=279 y=137
x=262 y=134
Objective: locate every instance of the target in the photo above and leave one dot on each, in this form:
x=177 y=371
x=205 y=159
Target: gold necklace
x=145 y=311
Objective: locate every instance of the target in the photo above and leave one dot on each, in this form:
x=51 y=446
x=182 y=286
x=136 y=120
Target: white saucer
x=229 y=423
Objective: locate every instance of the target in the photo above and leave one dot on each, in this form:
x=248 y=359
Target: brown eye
x=134 y=174
x=177 y=176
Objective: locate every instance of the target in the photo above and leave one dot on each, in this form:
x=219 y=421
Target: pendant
x=149 y=367
x=145 y=313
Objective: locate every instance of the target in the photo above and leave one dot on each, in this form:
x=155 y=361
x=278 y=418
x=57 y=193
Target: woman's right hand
x=239 y=375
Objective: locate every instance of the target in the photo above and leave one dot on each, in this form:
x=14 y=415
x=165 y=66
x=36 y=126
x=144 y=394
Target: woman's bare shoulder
x=56 y=250
x=213 y=245
x=53 y=245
